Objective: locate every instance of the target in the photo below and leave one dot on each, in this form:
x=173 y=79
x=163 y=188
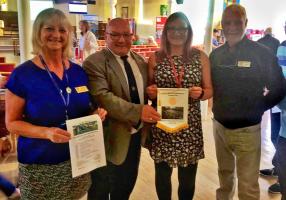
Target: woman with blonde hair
x=42 y=94
x=87 y=41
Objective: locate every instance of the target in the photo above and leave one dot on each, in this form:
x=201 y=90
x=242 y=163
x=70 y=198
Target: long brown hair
x=165 y=49
x=86 y=25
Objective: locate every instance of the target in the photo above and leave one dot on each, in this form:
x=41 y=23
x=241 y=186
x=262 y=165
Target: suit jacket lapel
x=115 y=66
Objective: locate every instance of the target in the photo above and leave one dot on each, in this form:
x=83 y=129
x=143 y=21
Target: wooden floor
x=207 y=179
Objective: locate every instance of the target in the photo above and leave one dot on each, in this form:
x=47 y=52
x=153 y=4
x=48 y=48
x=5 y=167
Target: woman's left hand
x=101 y=112
x=195 y=92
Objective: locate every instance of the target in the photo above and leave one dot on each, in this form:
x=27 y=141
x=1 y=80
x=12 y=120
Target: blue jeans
x=275 y=128
x=7 y=187
x=281 y=165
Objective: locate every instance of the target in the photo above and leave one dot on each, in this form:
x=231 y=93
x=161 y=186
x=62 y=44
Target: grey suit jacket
x=109 y=89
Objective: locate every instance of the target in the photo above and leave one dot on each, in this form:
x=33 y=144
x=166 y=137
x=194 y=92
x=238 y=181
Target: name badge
x=81 y=89
x=243 y=63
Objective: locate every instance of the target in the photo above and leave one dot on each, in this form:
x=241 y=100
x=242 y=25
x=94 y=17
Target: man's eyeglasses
x=117 y=36
x=180 y=30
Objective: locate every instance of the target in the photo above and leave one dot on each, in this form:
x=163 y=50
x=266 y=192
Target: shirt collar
x=238 y=45
x=117 y=56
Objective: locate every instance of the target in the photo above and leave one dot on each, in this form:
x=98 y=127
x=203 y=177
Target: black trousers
x=116 y=182
x=186 y=177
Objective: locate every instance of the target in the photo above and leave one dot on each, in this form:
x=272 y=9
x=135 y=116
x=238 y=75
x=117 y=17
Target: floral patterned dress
x=186 y=146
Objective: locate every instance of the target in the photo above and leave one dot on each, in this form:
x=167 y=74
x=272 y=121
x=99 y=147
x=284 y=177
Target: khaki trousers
x=240 y=150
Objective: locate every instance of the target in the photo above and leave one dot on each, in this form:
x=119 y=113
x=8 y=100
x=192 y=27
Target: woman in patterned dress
x=42 y=94
x=177 y=65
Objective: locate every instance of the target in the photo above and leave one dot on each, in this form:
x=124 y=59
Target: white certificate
x=87 y=144
x=172 y=104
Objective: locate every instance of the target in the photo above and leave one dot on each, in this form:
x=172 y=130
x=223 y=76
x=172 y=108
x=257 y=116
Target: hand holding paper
x=149 y=114
x=152 y=91
x=101 y=112
x=57 y=135
x=195 y=92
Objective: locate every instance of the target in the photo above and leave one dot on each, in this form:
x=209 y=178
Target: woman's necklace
x=178 y=77
x=66 y=100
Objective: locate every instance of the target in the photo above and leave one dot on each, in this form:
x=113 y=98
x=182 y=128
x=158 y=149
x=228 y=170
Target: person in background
x=6 y=186
x=281 y=144
x=272 y=43
x=247 y=81
x=42 y=93
x=269 y=40
x=281 y=150
x=182 y=149
x=281 y=54
x=117 y=80
x=136 y=40
x=87 y=40
x=151 y=41
x=215 y=42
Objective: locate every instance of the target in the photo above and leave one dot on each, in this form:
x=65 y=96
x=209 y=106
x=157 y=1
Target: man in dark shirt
x=268 y=40
x=273 y=44
x=247 y=81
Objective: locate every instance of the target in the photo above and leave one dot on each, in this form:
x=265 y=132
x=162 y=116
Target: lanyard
x=66 y=101
x=178 y=77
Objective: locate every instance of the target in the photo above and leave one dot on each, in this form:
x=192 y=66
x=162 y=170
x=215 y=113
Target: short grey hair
x=235 y=8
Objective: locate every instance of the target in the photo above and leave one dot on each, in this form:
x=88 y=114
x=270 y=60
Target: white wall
x=266 y=13
x=197 y=12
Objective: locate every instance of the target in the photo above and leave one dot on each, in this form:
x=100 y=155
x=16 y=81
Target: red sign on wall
x=160 y=23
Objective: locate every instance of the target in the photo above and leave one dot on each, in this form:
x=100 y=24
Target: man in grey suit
x=117 y=82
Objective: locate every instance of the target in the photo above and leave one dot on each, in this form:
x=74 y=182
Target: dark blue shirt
x=270 y=42
x=44 y=107
x=239 y=100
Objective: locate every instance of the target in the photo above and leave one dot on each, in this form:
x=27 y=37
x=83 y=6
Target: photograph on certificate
x=172 y=104
x=170 y=113
x=85 y=127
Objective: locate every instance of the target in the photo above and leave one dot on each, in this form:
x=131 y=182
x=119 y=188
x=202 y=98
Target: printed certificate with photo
x=172 y=104
x=87 y=144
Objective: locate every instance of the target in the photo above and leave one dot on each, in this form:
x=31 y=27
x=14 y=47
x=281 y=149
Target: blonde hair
x=50 y=15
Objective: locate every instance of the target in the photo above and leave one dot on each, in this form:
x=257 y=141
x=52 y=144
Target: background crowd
x=245 y=78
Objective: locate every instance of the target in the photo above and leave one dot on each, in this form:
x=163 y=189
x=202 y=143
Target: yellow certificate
x=172 y=104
